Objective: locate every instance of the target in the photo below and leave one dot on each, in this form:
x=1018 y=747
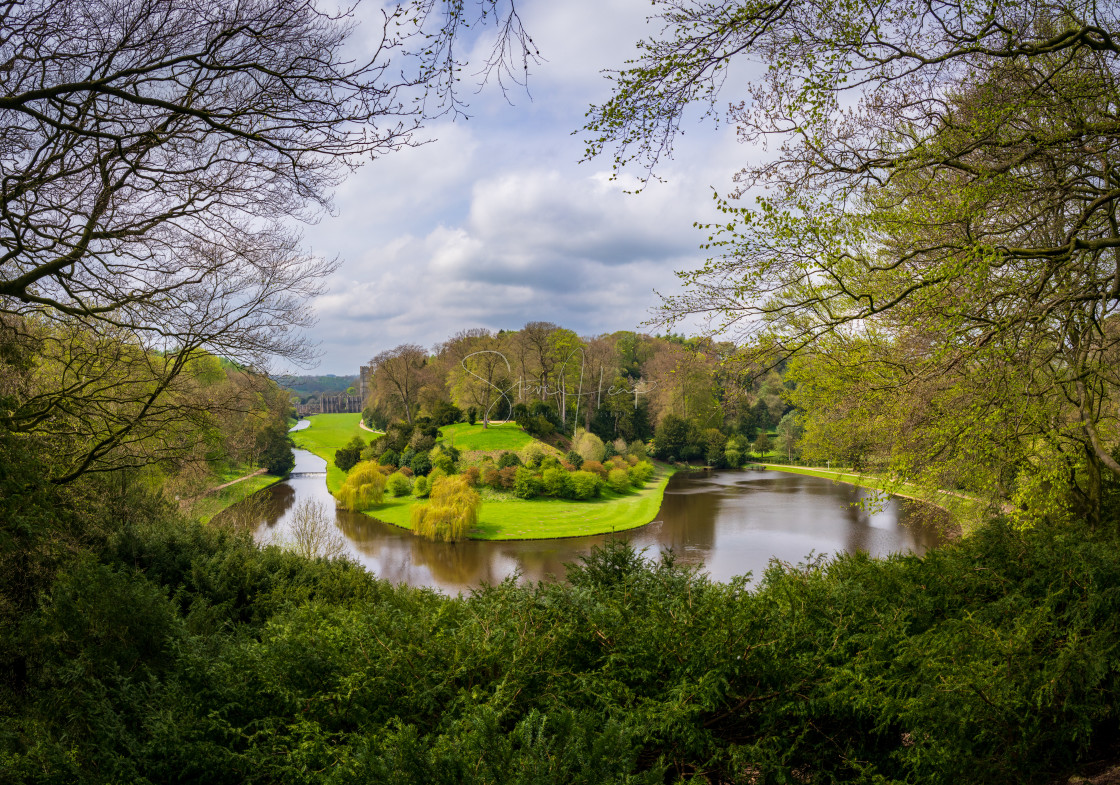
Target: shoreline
x=965 y=510
x=646 y=503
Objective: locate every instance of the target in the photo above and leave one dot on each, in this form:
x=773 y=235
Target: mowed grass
x=327 y=433
x=552 y=518
x=507 y=436
x=505 y=520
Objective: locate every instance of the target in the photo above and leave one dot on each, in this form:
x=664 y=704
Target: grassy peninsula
x=501 y=518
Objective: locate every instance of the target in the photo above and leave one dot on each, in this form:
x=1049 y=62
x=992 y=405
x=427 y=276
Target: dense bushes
x=398 y=484
x=180 y=654
x=346 y=458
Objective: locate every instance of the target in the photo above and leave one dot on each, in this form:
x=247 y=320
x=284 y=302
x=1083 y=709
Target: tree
x=943 y=206
x=348 y=456
x=762 y=444
x=684 y=384
x=154 y=153
x=539 y=360
x=451 y=512
x=275 y=448
x=363 y=488
x=715 y=443
x=313 y=533
x=398 y=376
x=671 y=439
x=789 y=431
x=481 y=378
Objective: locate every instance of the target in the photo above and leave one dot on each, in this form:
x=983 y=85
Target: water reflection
x=731 y=522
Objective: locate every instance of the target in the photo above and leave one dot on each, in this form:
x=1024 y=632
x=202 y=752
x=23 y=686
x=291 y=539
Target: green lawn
x=549 y=518
x=505 y=520
x=507 y=436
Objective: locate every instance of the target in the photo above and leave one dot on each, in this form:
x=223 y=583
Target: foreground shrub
x=588 y=445
x=421 y=464
x=364 y=487
x=451 y=512
x=531 y=456
x=490 y=477
x=473 y=475
x=440 y=459
x=597 y=468
x=179 y=653
x=347 y=457
x=398 y=484
x=585 y=485
x=421 y=487
x=506 y=477
x=619 y=480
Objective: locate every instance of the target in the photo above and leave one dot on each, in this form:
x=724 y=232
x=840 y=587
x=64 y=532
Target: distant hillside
x=328 y=384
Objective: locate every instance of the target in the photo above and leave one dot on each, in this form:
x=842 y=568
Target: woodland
x=690 y=393
x=925 y=271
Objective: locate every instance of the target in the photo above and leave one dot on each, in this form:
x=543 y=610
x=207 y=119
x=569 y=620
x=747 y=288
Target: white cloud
x=495 y=224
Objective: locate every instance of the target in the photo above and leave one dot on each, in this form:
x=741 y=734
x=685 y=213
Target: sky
x=495 y=223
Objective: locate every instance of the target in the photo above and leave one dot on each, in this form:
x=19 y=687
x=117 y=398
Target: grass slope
x=507 y=436
x=213 y=503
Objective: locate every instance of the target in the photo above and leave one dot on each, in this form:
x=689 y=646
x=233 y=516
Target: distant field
x=507 y=436
x=546 y=518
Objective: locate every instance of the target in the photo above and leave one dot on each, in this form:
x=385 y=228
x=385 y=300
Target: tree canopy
x=937 y=221
x=154 y=156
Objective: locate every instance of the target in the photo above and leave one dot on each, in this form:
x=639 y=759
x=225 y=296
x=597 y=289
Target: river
x=731 y=522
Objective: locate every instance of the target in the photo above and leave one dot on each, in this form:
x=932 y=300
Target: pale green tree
x=942 y=204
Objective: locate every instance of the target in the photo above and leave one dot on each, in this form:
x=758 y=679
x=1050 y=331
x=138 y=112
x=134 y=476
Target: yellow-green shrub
x=398 y=484
x=364 y=487
x=640 y=473
x=619 y=480
x=451 y=512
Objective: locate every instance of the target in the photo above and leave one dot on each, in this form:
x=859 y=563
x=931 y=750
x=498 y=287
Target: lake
x=731 y=522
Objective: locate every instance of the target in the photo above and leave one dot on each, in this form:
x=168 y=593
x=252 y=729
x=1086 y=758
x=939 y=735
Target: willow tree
x=939 y=211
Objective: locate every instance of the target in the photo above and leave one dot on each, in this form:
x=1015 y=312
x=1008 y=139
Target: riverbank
x=229 y=493
x=967 y=511
x=506 y=519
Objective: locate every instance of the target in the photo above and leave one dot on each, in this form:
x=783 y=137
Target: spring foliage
x=364 y=487
x=451 y=512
